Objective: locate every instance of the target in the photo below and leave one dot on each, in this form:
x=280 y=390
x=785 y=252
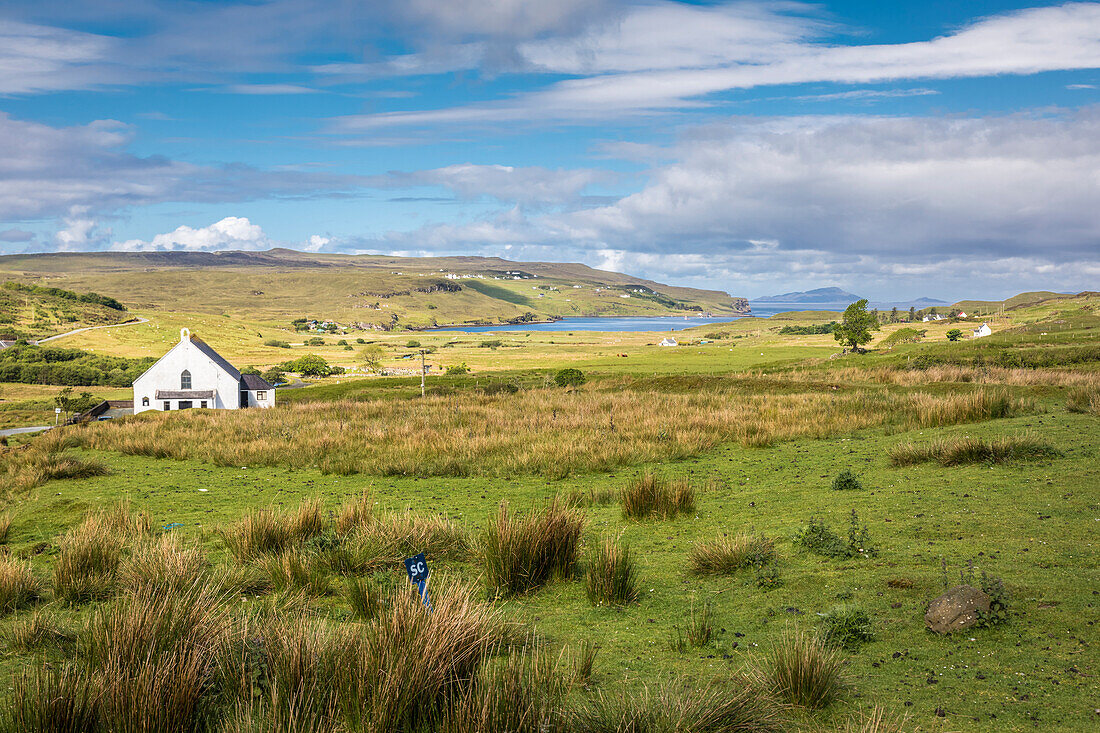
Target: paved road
x=20 y=431
x=92 y=328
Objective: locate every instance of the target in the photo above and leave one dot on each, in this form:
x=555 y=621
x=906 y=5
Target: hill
x=365 y=291
x=1016 y=301
x=28 y=311
x=820 y=295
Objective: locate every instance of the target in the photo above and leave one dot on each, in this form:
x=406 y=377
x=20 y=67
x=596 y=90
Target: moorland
x=741 y=532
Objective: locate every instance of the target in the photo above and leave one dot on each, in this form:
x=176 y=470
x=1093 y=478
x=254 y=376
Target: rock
x=957 y=609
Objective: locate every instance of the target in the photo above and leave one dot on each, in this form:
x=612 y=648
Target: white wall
x=254 y=402
x=205 y=374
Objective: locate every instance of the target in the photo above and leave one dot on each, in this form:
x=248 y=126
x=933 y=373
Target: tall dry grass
x=944 y=373
x=19 y=586
x=538 y=431
x=968 y=449
x=728 y=554
x=522 y=553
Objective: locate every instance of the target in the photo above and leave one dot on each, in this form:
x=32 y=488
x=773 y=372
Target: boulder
x=957 y=609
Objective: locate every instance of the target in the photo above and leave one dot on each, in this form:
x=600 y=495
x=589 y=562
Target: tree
x=856 y=326
x=310 y=365
x=954 y=334
x=372 y=356
x=894 y=314
x=274 y=375
x=912 y=314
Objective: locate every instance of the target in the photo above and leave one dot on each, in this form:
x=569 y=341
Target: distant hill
x=1015 y=301
x=361 y=291
x=926 y=301
x=820 y=295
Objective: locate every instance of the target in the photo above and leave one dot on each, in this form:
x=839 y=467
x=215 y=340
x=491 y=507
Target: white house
x=983 y=330
x=933 y=317
x=668 y=341
x=191 y=375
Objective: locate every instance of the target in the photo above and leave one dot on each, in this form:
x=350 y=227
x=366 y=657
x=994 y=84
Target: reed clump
x=19 y=587
x=803 y=670
x=1084 y=400
x=728 y=554
x=523 y=553
x=86 y=565
x=969 y=449
x=611 y=575
x=650 y=495
x=267 y=532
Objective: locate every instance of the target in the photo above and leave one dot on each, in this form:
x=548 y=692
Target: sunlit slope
x=281 y=285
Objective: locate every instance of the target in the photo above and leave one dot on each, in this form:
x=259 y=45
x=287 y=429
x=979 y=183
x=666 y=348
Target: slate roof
x=185 y=394
x=215 y=357
x=254 y=382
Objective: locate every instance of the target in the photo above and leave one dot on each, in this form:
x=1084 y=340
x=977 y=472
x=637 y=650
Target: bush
x=817 y=538
x=847 y=627
x=457 y=369
x=569 y=378
x=728 y=554
x=846 y=481
x=649 y=495
x=311 y=365
x=520 y=554
x=611 y=577
x=273 y=376
x=315 y=341
x=277 y=343
x=803 y=670
x=412 y=344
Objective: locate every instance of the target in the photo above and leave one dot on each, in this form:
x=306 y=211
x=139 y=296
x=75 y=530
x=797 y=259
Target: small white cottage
x=668 y=341
x=193 y=375
x=983 y=330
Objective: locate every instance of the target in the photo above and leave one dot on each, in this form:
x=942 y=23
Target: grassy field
x=758 y=440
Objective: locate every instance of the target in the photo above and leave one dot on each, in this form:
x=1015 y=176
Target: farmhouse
x=192 y=375
x=983 y=330
x=668 y=341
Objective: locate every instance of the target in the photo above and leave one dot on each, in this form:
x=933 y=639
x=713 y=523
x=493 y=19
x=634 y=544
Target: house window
x=167 y=405
x=261 y=396
x=144 y=401
x=185 y=380
x=203 y=404
x=185 y=404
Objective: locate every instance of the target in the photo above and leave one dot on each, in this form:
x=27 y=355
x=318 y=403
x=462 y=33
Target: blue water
x=645 y=323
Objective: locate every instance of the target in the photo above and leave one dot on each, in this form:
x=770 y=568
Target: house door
x=185 y=405
x=244 y=399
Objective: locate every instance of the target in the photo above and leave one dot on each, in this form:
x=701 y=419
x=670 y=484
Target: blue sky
x=895 y=149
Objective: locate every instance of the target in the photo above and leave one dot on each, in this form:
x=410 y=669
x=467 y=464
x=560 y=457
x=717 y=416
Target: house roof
x=253 y=382
x=215 y=357
x=185 y=394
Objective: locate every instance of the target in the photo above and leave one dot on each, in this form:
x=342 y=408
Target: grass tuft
x=650 y=495
x=967 y=450
x=804 y=670
x=19 y=587
x=611 y=578
x=520 y=554
x=728 y=554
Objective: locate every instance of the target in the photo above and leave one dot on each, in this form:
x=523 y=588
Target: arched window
x=144 y=401
x=185 y=380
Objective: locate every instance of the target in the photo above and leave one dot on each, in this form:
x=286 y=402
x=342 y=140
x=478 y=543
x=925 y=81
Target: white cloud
x=269 y=89
x=530 y=184
x=232 y=232
x=81 y=231
x=317 y=243
x=1023 y=42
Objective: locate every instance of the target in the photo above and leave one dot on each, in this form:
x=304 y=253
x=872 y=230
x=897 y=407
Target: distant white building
x=193 y=375
x=668 y=341
x=983 y=330
x=962 y=315
x=933 y=317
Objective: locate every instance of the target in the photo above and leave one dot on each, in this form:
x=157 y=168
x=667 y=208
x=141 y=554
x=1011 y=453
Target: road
x=92 y=328
x=20 y=431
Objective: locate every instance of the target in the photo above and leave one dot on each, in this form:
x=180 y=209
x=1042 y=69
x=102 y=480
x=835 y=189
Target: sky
x=895 y=149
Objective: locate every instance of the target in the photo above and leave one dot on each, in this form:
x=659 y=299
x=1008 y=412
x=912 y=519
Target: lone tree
x=954 y=334
x=856 y=326
x=372 y=357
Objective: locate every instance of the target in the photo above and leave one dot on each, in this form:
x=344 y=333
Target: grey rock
x=957 y=609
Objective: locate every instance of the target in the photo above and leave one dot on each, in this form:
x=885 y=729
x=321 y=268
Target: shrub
x=994 y=587
x=457 y=369
x=728 y=554
x=273 y=376
x=817 y=538
x=803 y=670
x=412 y=344
x=847 y=627
x=649 y=495
x=277 y=343
x=19 y=586
x=846 y=481
x=315 y=341
x=611 y=577
x=520 y=554
x=966 y=450
x=569 y=378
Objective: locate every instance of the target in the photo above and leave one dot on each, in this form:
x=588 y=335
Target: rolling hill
x=818 y=295
x=365 y=291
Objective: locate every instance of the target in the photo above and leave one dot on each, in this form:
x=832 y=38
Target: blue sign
x=417 y=568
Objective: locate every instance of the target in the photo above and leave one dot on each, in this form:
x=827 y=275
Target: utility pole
x=423 y=371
